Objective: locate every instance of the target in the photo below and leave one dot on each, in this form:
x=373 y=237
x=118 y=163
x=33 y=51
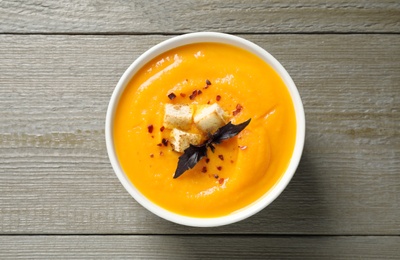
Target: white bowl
x=190 y=38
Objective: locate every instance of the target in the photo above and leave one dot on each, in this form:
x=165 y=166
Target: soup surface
x=242 y=168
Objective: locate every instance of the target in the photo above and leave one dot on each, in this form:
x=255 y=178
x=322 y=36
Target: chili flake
x=208 y=82
x=164 y=142
x=182 y=94
x=204 y=170
x=216 y=176
x=171 y=96
x=221 y=181
x=238 y=109
x=162 y=128
x=150 y=128
x=193 y=95
x=207 y=160
x=151 y=155
x=218 y=98
x=221 y=157
x=219 y=168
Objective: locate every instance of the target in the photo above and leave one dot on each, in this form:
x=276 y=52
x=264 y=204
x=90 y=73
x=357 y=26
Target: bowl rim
x=198 y=37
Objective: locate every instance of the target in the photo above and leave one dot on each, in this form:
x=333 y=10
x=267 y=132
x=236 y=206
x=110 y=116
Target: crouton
x=178 y=116
x=180 y=140
x=209 y=118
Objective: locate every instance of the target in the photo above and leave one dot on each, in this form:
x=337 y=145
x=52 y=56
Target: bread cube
x=180 y=140
x=178 y=116
x=209 y=118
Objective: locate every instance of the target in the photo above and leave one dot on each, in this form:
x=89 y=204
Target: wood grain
x=55 y=177
x=234 y=16
x=198 y=247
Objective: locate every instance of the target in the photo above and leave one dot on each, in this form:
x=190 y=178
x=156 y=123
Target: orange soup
x=242 y=168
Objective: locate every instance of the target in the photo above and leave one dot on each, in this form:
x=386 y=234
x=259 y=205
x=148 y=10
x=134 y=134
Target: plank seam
x=175 y=34
x=202 y=235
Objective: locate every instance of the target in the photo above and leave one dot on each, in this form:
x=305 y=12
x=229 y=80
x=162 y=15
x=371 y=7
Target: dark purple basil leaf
x=228 y=131
x=211 y=146
x=191 y=156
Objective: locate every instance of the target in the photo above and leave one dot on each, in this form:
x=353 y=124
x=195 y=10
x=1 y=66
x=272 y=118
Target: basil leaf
x=191 y=156
x=227 y=131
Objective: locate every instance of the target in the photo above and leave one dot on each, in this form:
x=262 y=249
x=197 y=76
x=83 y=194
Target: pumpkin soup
x=186 y=85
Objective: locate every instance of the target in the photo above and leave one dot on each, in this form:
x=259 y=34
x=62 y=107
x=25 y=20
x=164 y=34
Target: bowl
x=247 y=211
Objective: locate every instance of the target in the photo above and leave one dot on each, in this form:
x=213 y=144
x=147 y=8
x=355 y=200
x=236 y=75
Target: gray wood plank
x=234 y=16
x=198 y=247
x=55 y=177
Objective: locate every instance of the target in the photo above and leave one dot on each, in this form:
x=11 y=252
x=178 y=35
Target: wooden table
x=60 y=61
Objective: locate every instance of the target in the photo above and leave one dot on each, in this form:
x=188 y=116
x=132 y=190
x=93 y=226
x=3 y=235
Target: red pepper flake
x=152 y=136
x=182 y=94
x=193 y=95
x=199 y=92
x=221 y=157
x=221 y=181
x=151 y=155
x=208 y=83
x=216 y=176
x=231 y=161
x=162 y=128
x=164 y=142
x=150 y=128
x=161 y=153
x=204 y=170
x=208 y=102
x=171 y=96
x=218 y=98
x=207 y=160
x=219 y=168
x=160 y=144
x=238 y=109
x=242 y=147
